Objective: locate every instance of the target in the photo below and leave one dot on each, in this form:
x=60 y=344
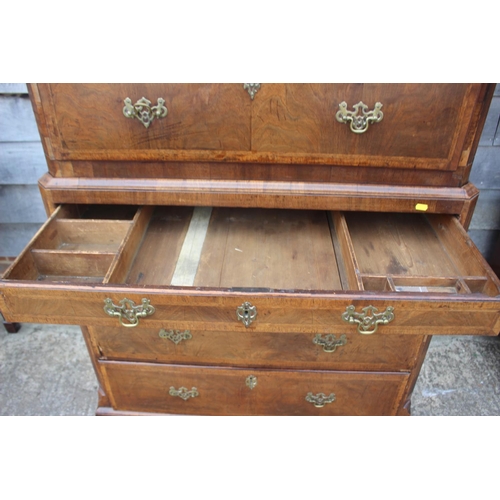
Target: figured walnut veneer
x=271 y=201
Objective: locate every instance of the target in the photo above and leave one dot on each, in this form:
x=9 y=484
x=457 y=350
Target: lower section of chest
x=235 y=373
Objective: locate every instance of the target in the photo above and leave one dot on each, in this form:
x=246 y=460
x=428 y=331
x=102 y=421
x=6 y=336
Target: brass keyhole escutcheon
x=251 y=88
x=246 y=313
x=251 y=381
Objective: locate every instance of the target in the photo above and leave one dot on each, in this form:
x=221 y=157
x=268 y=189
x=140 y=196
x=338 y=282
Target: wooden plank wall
x=485 y=225
x=22 y=163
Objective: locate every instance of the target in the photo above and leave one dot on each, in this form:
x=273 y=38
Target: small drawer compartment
x=221 y=391
x=76 y=245
x=349 y=351
x=412 y=253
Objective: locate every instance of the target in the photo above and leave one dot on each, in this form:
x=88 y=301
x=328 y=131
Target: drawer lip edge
x=361 y=373
x=350 y=296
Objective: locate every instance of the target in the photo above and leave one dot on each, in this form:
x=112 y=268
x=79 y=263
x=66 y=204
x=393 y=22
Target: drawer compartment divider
x=71 y=263
x=122 y=262
x=346 y=256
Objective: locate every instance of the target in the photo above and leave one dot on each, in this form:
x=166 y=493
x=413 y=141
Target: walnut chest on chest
x=257 y=249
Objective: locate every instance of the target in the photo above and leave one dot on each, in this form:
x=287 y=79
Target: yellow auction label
x=422 y=207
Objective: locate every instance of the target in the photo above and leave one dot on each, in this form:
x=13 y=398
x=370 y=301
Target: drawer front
x=247 y=348
x=424 y=126
x=90 y=117
x=219 y=391
x=217 y=312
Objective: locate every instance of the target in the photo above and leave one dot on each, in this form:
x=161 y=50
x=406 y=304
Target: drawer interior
x=256 y=249
x=78 y=244
x=237 y=248
x=415 y=253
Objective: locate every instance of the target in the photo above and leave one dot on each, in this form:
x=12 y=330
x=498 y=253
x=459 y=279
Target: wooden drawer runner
x=303 y=271
x=349 y=351
x=424 y=126
x=147 y=387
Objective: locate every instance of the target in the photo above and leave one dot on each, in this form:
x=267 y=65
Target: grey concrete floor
x=45 y=370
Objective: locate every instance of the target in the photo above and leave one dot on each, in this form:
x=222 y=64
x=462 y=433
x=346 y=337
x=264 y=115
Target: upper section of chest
x=422 y=134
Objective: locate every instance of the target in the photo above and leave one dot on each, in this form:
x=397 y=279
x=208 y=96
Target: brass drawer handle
x=183 y=393
x=319 y=400
x=128 y=311
x=360 y=118
x=246 y=313
x=369 y=319
x=329 y=342
x=175 y=336
x=143 y=111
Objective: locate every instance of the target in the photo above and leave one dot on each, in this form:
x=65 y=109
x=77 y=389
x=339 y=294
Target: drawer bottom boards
x=170 y=389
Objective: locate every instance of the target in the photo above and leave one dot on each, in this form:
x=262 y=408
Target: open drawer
x=250 y=270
